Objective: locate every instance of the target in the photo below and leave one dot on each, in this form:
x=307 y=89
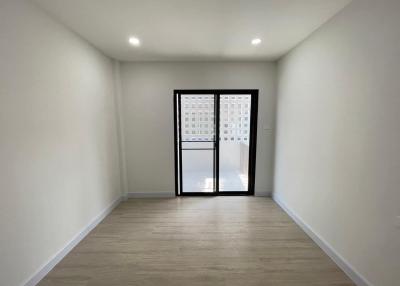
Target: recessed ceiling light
x=134 y=41
x=256 y=41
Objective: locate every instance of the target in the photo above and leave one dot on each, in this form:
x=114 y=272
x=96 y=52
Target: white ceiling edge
x=147 y=56
x=328 y=20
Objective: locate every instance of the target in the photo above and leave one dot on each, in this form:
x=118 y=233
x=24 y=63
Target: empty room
x=199 y=142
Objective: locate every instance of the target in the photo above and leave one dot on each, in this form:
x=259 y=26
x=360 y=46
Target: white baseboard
x=47 y=267
x=143 y=195
x=262 y=194
x=149 y=195
x=357 y=278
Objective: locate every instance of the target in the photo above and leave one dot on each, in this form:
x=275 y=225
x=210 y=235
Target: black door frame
x=252 y=144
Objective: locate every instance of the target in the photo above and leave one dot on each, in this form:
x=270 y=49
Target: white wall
x=338 y=136
x=147 y=92
x=58 y=146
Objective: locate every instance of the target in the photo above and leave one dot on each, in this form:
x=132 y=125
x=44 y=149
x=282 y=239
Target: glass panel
x=197 y=145
x=197 y=171
x=234 y=142
x=177 y=144
x=198 y=129
x=197 y=117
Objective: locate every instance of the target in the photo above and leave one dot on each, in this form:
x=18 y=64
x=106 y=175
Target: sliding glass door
x=234 y=146
x=215 y=141
x=198 y=143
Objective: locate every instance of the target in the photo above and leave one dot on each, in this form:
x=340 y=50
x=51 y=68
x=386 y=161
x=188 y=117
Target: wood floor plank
x=197 y=241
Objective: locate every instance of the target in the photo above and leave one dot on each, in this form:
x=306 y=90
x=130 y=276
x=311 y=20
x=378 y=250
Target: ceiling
x=177 y=30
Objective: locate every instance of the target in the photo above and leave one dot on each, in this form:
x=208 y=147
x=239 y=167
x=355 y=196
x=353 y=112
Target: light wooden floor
x=197 y=241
